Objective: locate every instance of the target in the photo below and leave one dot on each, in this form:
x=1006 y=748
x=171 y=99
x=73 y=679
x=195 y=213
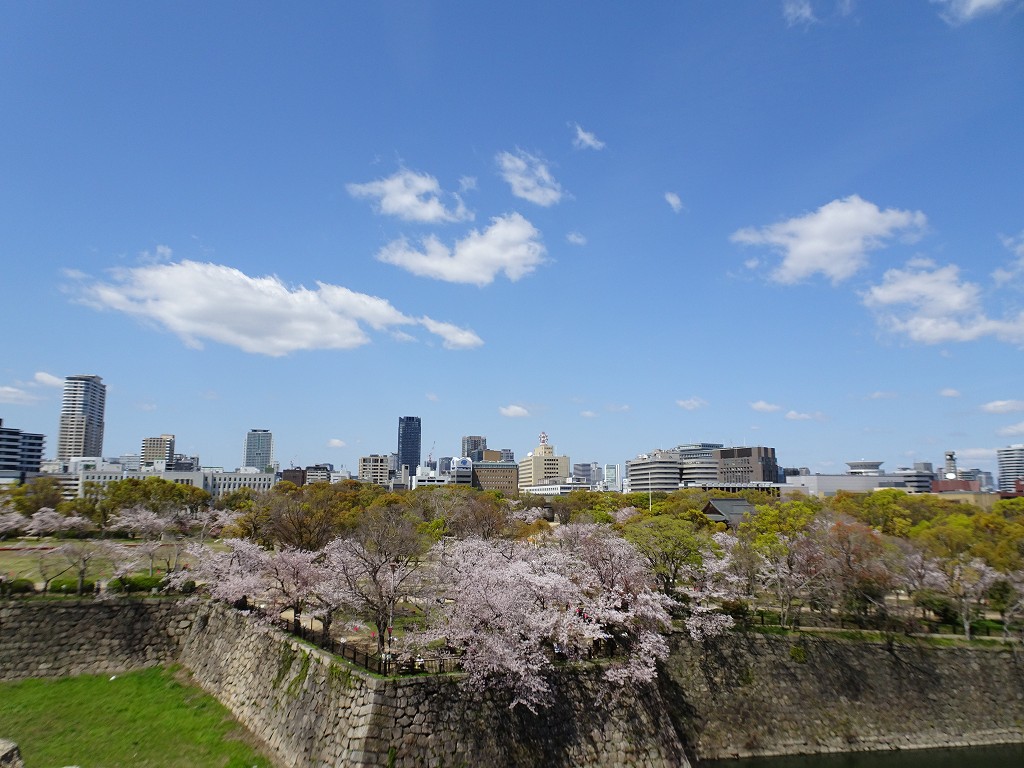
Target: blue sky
x=794 y=224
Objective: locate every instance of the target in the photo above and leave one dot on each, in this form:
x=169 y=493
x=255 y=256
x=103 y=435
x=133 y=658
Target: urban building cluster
x=79 y=462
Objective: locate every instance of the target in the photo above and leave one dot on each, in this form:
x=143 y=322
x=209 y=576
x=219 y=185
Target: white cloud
x=201 y=301
x=931 y=304
x=949 y=392
x=432 y=397
x=575 y=238
x=955 y=12
x=453 y=337
x=764 y=407
x=1013 y=430
x=467 y=183
x=48 y=379
x=692 y=403
x=618 y=408
x=146 y=407
x=335 y=443
x=674 y=201
x=585 y=139
x=588 y=414
x=410 y=196
x=16 y=396
x=513 y=411
x=1003 y=406
x=833 y=240
x=1014 y=272
x=880 y=395
x=529 y=177
x=159 y=254
x=797 y=12
x=798 y=416
x=511 y=245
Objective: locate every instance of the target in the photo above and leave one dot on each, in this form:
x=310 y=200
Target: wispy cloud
x=585 y=139
x=410 y=196
x=832 y=241
x=335 y=443
x=880 y=395
x=949 y=392
x=575 y=238
x=764 y=407
x=513 y=411
x=1003 y=406
x=692 y=403
x=588 y=414
x=510 y=245
x=1013 y=272
x=47 y=379
x=799 y=416
x=931 y=304
x=17 y=396
x=674 y=201
x=956 y=12
x=201 y=301
x=1013 y=430
x=529 y=177
x=797 y=12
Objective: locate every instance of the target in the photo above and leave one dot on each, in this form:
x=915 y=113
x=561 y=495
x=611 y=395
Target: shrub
x=17 y=587
x=70 y=586
x=135 y=584
x=938 y=604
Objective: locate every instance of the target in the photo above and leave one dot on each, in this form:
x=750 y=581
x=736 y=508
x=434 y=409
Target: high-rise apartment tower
x=1011 y=466
x=259 y=449
x=409 y=443
x=81 y=417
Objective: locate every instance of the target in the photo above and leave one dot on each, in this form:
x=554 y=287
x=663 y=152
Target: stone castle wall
x=741 y=695
x=767 y=695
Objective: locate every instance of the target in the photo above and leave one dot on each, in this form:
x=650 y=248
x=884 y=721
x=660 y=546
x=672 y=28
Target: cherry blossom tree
x=11 y=522
x=80 y=555
x=969 y=582
x=45 y=522
x=374 y=566
x=507 y=607
x=233 y=574
x=710 y=581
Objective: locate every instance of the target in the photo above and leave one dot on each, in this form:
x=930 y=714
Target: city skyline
x=796 y=225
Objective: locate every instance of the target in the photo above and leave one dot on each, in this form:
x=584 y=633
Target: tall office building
x=472 y=443
x=408 y=443
x=741 y=466
x=81 y=417
x=157 y=449
x=1011 y=466
x=542 y=464
x=21 y=453
x=259 y=449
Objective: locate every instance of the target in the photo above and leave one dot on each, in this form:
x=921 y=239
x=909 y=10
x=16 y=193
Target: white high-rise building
x=81 y=417
x=1011 y=466
x=259 y=449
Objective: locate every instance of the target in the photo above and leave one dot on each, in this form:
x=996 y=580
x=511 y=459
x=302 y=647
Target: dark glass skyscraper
x=409 y=442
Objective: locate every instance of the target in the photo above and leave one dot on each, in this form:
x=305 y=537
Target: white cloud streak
x=585 y=139
x=1013 y=430
x=949 y=392
x=955 y=12
x=335 y=443
x=799 y=416
x=674 y=201
x=513 y=411
x=931 y=305
x=832 y=241
x=47 y=379
x=261 y=315
x=16 y=396
x=576 y=238
x=798 y=12
x=511 y=245
x=692 y=403
x=529 y=177
x=410 y=196
x=1003 y=406
x=764 y=407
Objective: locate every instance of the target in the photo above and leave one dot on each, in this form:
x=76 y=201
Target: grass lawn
x=149 y=718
